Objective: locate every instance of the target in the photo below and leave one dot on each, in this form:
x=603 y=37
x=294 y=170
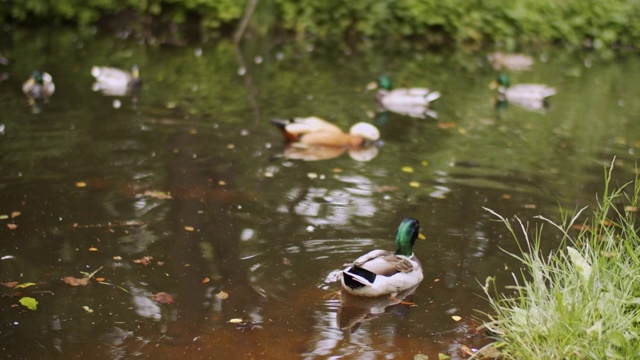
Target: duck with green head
x=39 y=86
x=413 y=102
x=529 y=96
x=382 y=272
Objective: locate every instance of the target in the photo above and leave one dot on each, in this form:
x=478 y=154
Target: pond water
x=187 y=191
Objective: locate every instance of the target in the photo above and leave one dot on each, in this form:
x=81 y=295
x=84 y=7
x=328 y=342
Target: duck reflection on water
x=354 y=310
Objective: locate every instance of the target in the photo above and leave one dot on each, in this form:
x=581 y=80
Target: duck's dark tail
x=281 y=124
x=356 y=277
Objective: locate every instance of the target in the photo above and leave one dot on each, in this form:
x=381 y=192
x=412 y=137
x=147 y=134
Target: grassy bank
x=509 y=24
x=583 y=300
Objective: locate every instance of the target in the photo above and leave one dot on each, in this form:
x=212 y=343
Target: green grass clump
x=581 y=301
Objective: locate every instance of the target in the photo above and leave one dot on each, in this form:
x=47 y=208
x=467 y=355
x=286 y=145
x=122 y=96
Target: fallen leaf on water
x=24 y=285
x=4 y=216
x=456 y=318
x=530 y=206
x=506 y=196
x=222 y=295
x=420 y=357
x=145 y=260
x=88 y=309
x=15 y=214
x=81 y=184
x=75 y=281
x=117 y=258
x=160 y=195
x=286 y=261
x=446 y=125
x=235 y=321
x=93 y=248
x=29 y=302
x=222 y=183
x=466 y=350
x=630 y=208
x=407 y=169
x=10 y=284
x=414 y=184
x=386 y=188
x=189 y=228
x=160 y=263
x=12 y=226
x=205 y=280
x=162 y=298
x=442 y=356
x=100 y=279
x=337 y=170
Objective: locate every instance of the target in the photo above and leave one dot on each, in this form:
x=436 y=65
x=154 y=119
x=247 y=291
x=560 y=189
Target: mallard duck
x=412 y=102
x=382 y=272
x=315 y=131
x=515 y=62
x=528 y=96
x=39 y=86
x=115 y=82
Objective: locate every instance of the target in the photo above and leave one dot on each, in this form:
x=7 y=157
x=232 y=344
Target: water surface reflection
x=249 y=241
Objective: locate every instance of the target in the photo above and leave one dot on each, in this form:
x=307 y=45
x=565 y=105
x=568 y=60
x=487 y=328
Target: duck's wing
x=104 y=73
x=531 y=90
x=410 y=96
x=311 y=124
x=384 y=263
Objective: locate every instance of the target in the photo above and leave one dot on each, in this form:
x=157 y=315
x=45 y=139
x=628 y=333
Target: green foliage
x=596 y=23
x=581 y=301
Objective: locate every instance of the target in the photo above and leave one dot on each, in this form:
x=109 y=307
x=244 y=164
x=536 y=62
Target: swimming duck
x=115 y=82
x=413 y=102
x=382 y=272
x=528 y=96
x=39 y=86
x=515 y=62
x=315 y=131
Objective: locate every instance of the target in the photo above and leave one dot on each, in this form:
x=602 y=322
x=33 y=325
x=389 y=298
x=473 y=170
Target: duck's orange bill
x=421 y=237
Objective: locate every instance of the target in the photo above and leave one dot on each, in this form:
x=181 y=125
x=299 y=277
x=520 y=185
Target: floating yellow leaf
x=456 y=318
x=222 y=183
x=88 y=309
x=407 y=169
x=12 y=226
x=235 y=321
x=414 y=184
x=222 y=295
x=4 y=217
x=189 y=228
x=81 y=184
x=424 y=163
x=205 y=280
x=15 y=214
x=93 y=248
x=24 y=285
x=29 y=302
x=442 y=356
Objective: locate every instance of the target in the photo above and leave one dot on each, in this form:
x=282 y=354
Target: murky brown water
x=83 y=185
